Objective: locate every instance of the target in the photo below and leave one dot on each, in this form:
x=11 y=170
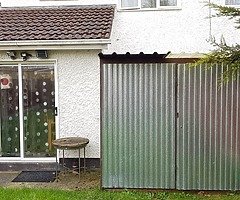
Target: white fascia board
x=54 y=44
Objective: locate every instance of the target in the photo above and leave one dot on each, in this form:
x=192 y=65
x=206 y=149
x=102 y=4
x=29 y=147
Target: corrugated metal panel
x=208 y=131
x=138 y=125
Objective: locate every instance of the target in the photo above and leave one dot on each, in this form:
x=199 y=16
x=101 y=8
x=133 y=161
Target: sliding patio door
x=27 y=125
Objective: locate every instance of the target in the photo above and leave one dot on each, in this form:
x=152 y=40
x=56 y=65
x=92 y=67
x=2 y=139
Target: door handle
x=56 y=111
x=177 y=115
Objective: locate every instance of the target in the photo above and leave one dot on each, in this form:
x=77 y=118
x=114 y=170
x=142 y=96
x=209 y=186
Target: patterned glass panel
x=39 y=105
x=9 y=112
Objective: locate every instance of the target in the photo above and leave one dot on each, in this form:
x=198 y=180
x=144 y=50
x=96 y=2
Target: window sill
x=235 y=6
x=170 y=8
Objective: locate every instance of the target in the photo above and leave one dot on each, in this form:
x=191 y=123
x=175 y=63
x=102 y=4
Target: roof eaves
x=60 y=7
x=54 y=44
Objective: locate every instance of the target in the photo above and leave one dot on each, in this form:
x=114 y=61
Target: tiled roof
x=56 y=23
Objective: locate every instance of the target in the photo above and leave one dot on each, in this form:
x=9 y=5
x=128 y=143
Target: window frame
x=224 y=3
x=158 y=6
x=58 y=0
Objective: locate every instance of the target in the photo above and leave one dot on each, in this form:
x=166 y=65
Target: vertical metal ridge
x=165 y=122
x=221 y=132
x=141 y=121
x=114 y=118
x=194 y=129
x=189 y=166
x=110 y=129
x=156 y=141
x=161 y=120
x=125 y=127
x=225 y=123
x=237 y=171
x=215 y=130
x=136 y=125
x=210 y=171
x=232 y=167
x=178 y=129
x=120 y=122
x=205 y=127
x=199 y=132
x=175 y=122
x=184 y=176
x=145 y=124
x=151 y=121
x=130 y=134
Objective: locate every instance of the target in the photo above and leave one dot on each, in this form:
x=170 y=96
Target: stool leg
x=84 y=161
x=63 y=162
x=79 y=167
x=56 y=166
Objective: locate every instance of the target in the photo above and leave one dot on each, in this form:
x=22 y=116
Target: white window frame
x=158 y=6
x=58 y=0
x=223 y=2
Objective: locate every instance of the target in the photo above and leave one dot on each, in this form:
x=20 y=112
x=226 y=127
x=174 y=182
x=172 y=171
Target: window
x=232 y=2
x=58 y=0
x=147 y=3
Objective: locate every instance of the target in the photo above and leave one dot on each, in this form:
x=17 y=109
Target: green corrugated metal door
x=138 y=125
x=207 y=130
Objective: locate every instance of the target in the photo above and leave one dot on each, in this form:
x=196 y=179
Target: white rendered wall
x=180 y=31
x=185 y=30
x=79 y=96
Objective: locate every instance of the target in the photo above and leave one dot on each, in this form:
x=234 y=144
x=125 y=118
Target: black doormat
x=35 y=176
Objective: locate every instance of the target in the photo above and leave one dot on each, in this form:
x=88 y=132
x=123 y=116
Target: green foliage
x=228 y=55
x=230 y=12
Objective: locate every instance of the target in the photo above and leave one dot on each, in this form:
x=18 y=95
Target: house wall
x=183 y=30
x=79 y=95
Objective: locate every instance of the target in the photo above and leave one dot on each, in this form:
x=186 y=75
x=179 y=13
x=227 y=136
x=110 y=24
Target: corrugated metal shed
x=164 y=125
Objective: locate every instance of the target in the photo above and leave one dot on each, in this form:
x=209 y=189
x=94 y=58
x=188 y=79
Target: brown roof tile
x=56 y=23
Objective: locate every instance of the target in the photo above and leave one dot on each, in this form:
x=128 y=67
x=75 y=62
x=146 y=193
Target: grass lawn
x=95 y=194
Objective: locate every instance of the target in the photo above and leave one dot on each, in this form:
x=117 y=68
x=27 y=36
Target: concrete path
x=90 y=179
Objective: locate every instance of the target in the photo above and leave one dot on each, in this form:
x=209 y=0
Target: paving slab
x=6 y=177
